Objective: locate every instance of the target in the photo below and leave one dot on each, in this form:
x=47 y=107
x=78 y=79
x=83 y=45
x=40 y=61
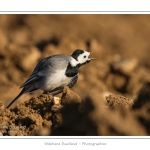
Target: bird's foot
x=46 y=92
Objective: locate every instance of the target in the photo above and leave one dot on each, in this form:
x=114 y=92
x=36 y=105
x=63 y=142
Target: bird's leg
x=54 y=91
x=46 y=92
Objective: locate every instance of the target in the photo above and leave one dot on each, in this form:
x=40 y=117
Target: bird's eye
x=84 y=56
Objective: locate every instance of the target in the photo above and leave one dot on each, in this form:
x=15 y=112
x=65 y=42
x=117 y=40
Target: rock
x=56 y=100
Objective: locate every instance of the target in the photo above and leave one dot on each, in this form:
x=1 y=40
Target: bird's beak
x=92 y=58
x=89 y=59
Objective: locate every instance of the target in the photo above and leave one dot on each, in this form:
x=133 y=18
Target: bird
x=52 y=73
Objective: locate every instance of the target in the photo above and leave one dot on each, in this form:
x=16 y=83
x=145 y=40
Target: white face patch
x=81 y=59
x=84 y=57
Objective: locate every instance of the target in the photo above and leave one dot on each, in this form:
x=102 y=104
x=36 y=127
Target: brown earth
x=111 y=96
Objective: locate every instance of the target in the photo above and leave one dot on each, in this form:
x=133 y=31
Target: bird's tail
x=21 y=93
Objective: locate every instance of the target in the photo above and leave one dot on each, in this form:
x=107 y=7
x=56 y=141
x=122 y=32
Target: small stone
x=56 y=100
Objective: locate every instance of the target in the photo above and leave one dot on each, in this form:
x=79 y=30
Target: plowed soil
x=111 y=96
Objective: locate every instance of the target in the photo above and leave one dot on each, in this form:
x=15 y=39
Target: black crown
x=76 y=53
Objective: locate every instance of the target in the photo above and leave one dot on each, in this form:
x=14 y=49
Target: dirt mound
x=69 y=115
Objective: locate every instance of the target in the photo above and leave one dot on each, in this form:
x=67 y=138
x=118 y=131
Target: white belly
x=56 y=80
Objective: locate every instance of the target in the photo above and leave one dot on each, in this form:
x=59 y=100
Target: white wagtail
x=54 y=72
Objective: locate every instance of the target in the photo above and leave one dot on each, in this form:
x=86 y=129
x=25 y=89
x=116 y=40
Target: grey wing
x=34 y=76
x=47 y=66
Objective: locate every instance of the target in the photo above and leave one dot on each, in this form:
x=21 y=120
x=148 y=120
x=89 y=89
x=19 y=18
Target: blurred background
x=120 y=43
x=122 y=48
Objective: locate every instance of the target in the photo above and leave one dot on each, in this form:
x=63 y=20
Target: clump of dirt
x=27 y=117
x=38 y=113
x=70 y=115
x=119 y=101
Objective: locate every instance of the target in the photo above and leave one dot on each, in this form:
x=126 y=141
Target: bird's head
x=81 y=57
